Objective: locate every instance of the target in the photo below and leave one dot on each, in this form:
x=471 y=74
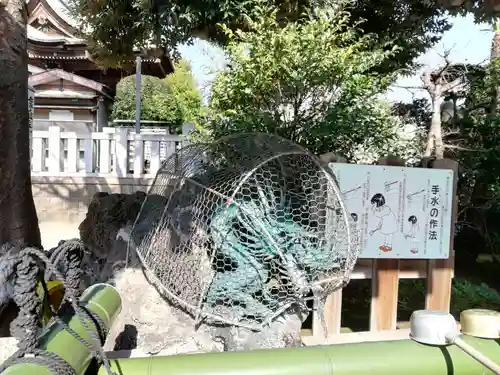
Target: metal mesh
x=241 y=230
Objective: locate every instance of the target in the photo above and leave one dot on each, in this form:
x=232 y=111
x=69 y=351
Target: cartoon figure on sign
x=354 y=217
x=387 y=224
x=413 y=234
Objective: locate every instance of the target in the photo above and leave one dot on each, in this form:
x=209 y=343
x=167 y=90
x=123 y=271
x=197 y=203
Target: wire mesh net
x=241 y=230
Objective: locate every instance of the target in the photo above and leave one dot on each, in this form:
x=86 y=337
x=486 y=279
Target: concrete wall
x=65 y=199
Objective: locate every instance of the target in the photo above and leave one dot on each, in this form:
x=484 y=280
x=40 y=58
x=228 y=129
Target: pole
x=375 y=358
x=138 y=72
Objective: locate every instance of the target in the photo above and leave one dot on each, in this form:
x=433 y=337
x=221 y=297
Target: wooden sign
x=398 y=212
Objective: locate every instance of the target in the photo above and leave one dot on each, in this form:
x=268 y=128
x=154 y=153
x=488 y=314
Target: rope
x=8 y=262
x=73 y=250
x=26 y=324
x=26 y=269
x=52 y=361
x=95 y=346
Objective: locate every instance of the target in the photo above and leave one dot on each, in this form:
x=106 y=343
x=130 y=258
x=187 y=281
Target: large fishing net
x=245 y=229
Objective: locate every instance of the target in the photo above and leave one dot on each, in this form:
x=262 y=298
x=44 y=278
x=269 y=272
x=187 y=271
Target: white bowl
x=433 y=327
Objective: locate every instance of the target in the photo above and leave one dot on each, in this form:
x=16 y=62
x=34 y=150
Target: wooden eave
x=42 y=8
x=50 y=75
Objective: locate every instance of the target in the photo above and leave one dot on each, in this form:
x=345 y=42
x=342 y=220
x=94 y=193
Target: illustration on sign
x=398 y=212
x=387 y=223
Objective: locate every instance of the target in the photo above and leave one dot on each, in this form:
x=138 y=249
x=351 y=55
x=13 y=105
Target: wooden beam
x=356 y=337
x=385 y=289
x=332 y=314
x=385 y=281
x=54 y=74
x=440 y=271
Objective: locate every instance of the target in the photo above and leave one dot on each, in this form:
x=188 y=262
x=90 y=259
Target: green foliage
x=116 y=27
x=473 y=139
x=158 y=103
x=464 y=295
x=479 y=158
x=310 y=82
x=174 y=99
x=417 y=112
x=184 y=90
x=483 y=11
x=414 y=26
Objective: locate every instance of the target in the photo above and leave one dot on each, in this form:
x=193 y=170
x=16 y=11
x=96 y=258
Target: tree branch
x=460 y=148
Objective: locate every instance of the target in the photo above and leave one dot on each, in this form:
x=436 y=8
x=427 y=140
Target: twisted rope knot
x=73 y=251
x=26 y=324
x=21 y=271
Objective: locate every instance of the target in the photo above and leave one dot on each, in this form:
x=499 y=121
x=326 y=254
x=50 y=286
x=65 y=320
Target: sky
x=466 y=41
x=206 y=59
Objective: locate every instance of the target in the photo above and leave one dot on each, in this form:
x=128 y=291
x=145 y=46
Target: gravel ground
x=53 y=232
x=8 y=346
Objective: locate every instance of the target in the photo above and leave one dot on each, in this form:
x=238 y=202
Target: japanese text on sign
x=434 y=213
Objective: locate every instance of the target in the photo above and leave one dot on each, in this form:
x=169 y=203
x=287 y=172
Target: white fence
x=117 y=152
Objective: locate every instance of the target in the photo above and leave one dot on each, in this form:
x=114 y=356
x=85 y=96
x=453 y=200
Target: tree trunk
x=435 y=136
x=18 y=218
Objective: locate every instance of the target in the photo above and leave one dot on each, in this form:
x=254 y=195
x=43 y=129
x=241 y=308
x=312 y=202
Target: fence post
x=155 y=157
x=73 y=155
x=385 y=282
x=54 y=150
x=170 y=148
x=104 y=156
x=120 y=157
x=332 y=314
x=38 y=154
x=440 y=271
x=333 y=304
x=88 y=154
x=138 y=155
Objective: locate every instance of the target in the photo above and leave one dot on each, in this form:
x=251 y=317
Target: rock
x=148 y=321
x=158 y=324
x=107 y=213
x=282 y=333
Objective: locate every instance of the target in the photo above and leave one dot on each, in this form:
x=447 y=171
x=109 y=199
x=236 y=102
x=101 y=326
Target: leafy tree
x=479 y=156
x=311 y=82
x=183 y=87
x=118 y=26
x=472 y=137
x=414 y=26
x=158 y=103
x=417 y=112
x=483 y=11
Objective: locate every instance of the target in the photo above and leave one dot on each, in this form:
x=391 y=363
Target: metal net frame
x=244 y=229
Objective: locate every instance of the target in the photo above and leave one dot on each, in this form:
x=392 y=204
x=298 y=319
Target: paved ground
x=53 y=232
